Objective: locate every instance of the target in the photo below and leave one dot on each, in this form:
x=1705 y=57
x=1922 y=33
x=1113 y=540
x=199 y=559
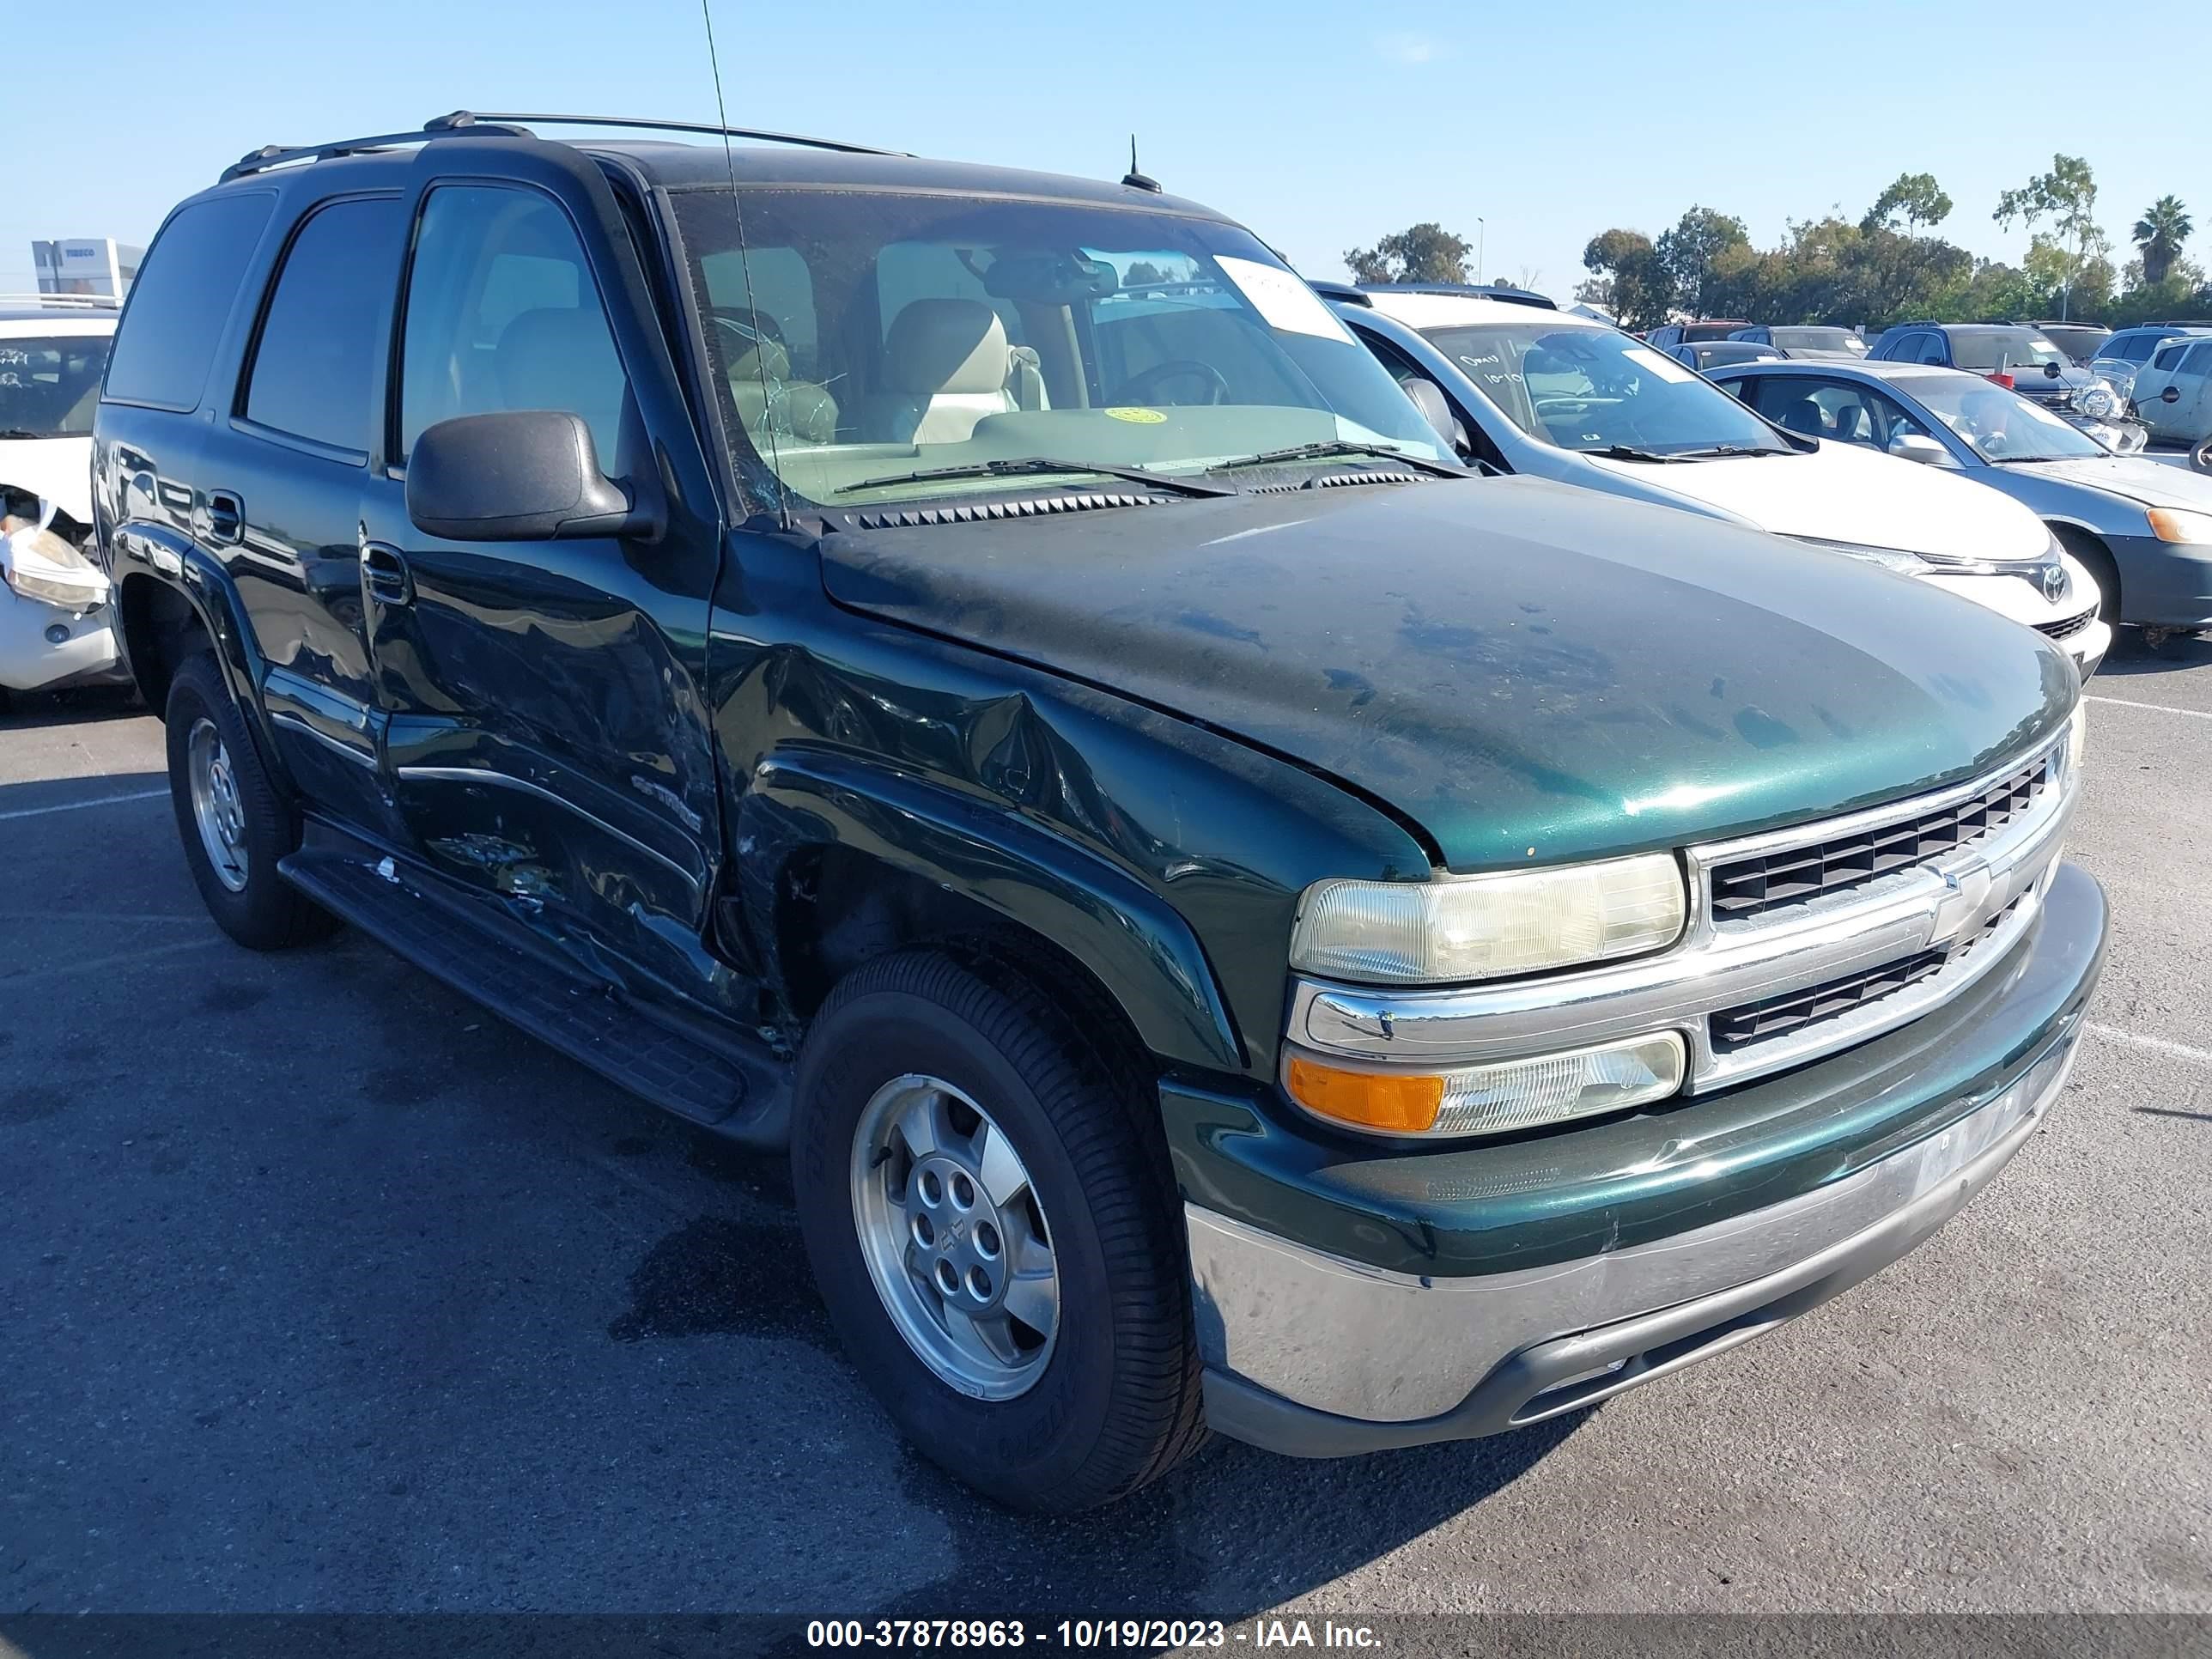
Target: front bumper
x=1311 y=1353
x=2163 y=584
x=29 y=661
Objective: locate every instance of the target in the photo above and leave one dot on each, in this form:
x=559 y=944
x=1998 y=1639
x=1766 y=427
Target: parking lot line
x=2156 y=708
x=2182 y=1050
x=79 y=806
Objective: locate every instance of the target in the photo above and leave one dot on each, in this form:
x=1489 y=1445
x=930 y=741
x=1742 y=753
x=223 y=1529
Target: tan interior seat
x=769 y=402
x=946 y=365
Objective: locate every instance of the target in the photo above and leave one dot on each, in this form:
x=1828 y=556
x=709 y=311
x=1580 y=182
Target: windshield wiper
x=1628 y=452
x=1319 y=452
x=1714 y=452
x=24 y=432
x=1028 y=464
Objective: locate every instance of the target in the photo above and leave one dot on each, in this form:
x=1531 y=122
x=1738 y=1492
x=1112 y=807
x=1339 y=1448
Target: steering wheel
x=1138 y=387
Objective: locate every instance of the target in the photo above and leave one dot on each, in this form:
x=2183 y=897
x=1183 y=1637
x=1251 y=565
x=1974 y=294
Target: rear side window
x=181 y=299
x=311 y=367
x=2170 y=356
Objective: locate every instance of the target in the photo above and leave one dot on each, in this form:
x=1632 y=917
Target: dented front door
x=546 y=739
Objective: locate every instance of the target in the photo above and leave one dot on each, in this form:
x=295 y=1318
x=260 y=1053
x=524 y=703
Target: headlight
x=2097 y=401
x=1466 y=927
x=1890 y=558
x=1490 y=1100
x=2169 y=526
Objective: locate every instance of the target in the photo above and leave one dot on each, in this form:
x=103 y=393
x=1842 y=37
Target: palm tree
x=2159 y=234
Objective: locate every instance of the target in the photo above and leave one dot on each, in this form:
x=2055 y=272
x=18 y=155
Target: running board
x=498 y=963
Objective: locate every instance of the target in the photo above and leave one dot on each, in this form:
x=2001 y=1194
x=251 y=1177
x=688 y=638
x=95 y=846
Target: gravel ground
x=322 y=1290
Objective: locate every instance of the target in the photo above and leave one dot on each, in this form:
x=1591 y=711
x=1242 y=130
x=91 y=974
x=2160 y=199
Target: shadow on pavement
x=2130 y=656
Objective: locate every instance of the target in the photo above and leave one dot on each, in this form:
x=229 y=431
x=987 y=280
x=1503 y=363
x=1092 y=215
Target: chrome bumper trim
x=1374 y=1347
x=1722 y=965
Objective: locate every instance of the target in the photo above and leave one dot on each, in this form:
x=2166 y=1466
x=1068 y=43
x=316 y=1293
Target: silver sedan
x=2143 y=529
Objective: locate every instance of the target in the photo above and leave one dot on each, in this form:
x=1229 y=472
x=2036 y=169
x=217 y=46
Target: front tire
x=234 y=823
x=993 y=1224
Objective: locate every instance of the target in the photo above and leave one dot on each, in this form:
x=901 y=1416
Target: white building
x=96 y=265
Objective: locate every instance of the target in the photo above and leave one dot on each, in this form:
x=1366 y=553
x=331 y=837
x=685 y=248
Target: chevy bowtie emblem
x=1966 y=896
x=2054 y=582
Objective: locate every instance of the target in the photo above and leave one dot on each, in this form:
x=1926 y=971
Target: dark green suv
x=976 y=678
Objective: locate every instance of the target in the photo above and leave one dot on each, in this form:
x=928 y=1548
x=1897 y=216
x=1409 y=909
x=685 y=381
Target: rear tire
x=234 y=825
x=1083 y=1217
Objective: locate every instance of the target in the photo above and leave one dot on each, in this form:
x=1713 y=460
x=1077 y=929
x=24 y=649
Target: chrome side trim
x=1722 y=965
x=479 y=774
x=292 y=722
x=1378 y=1346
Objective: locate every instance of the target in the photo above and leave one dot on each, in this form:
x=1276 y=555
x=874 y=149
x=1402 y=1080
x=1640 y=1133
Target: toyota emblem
x=2054 y=582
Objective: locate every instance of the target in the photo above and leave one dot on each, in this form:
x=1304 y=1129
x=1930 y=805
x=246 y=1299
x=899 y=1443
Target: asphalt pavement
x=320 y=1289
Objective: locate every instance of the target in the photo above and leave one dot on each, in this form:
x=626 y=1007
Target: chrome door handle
x=384 y=575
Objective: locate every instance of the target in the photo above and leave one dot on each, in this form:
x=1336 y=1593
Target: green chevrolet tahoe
x=974 y=678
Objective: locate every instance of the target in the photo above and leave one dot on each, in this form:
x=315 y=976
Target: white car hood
x=1842 y=493
x=56 y=470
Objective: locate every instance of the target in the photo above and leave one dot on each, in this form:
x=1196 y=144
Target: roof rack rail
x=461 y=119
x=1512 y=297
x=462 y=122
x=276 y=155
x=1343 y=293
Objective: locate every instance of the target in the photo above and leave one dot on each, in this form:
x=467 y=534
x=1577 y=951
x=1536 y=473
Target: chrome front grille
x=1801 y=942
x=2068 y=629
x=1769 y=881
x=1794 y=1011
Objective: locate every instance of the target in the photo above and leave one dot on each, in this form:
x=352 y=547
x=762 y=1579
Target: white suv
x=54 y=613
x=1543 y=392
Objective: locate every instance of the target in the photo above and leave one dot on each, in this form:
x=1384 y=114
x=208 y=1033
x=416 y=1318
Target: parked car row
x=1303 y=866
x=1565 y=397
x=2143 y=531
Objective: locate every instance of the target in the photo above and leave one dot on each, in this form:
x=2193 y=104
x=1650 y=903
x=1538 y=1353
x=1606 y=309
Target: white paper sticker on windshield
x=1664 y=367
x=1282 y=299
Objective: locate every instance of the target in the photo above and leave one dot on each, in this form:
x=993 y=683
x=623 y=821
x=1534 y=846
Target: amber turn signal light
x=1390 y=1100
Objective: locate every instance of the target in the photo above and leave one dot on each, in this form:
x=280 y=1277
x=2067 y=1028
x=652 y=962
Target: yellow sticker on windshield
x=1138 y=416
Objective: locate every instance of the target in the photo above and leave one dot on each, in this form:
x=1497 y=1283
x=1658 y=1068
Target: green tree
x=1424 y=252
x=2067 y=196
x=2159 y=234
x=1630 y=280
x=1914 y=197
x=1694 y=254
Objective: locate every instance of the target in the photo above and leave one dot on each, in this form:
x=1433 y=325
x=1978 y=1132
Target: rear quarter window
x=181 y=299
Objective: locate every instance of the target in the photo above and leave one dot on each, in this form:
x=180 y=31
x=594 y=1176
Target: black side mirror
x=2052 y=371
x=2171 y=395
x=527 y=475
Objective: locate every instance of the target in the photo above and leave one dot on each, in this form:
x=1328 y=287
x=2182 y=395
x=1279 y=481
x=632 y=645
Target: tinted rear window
x=311 y=367
x=180 y=299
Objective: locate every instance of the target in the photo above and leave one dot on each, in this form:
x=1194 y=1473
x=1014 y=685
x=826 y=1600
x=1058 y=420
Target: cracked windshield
x=898 y=347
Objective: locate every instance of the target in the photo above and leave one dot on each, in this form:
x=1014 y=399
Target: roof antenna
x=1134 y=180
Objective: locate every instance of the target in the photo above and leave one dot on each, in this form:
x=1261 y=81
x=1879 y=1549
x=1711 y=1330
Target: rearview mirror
x=2052 y=371
x=1919 y=446
x=2171 y=395
x=523 y=475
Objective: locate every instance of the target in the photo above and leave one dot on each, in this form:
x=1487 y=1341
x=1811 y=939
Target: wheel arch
x=842 y=861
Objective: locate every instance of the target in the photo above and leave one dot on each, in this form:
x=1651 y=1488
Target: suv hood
x=1843 y=493
x=1527 y=671
x=2153 y=483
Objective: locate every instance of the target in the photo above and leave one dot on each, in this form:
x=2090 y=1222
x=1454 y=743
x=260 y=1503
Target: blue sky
x=1319 y=126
